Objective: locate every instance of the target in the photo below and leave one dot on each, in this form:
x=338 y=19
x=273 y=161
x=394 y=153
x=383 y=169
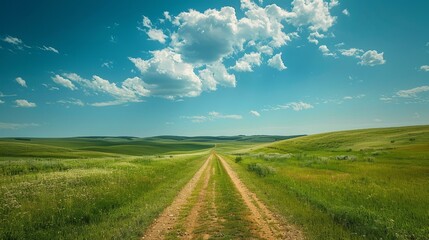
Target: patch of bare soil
x=270 y=225
x=168 y=218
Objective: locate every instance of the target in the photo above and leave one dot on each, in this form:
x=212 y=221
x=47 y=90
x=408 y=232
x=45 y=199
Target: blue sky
x=140 y=68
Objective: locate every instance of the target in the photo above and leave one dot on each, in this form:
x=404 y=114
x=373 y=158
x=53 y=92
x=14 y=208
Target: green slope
x=360 y=184
x=407 y=138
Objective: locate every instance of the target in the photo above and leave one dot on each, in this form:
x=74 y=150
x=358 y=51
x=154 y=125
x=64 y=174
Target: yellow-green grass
x=371 y=184
x=82 y=147
x=94 y=198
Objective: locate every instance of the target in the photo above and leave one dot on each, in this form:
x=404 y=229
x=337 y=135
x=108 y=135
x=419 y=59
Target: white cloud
x=50 y=88
x=372 y=58
x=49 y=49
x=296 y=106
x=206 y=37
x=409 y=93
x=1 y=101
x=313 y=13
x=315 y=36
x=246 y=63
x=24 y=103
x=217 y=115
x=212 y=116
x=255 y=113
x=16 y=126
x=196 y=119
x=13 y=40
x=277 y=62
x=64 y=82
x=334 y=3
x=108 y=103
x=157 y=35
x=264 y=24
x=386 y=99
x=354 y=97
x=346 y=12
x=108 y=64
x=424 y=68
x=153 y=33
x=72 y=101
x=352 y=52
x=21 y=81
x=167 y=16
x=167 y=75
x=325 y=51
x=131 y=90
x=215 y=74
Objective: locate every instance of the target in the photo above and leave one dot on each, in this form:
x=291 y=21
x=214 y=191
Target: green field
x=361 y=184
x=371 y=184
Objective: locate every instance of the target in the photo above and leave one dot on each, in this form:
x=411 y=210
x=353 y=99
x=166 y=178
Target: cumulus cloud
x=206 y=37
x=312 y=13
x=368 y=58
x=203 y=44
x=167 y=16
x=246 y=63
x=346 y=12
x=130 y=90
x=167 y=75
x=372 y=58
x=153 y=33
x=215 y=74
x=325 y=51
x=352 y=52
x=63 y=82
x=21 y=81
x=264 y=24
x=315 y=36
x=424 y=68
x=277 y=62
x=255 y=113
x=413 y=92
x=24 y=103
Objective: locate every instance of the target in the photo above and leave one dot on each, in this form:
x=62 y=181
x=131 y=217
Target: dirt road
x=216 y=204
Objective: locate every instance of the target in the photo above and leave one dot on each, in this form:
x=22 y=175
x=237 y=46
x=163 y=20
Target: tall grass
x=88 y=199
x=335 y=190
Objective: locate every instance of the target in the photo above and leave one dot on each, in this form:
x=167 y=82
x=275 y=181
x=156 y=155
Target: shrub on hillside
x=260 y=170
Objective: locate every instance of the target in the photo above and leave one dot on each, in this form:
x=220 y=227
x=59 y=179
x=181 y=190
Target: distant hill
x=414 y=138
x=240 y=138
x=102 y=146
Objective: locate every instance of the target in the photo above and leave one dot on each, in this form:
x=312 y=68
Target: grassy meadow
x=101 y=197
x=362 y=184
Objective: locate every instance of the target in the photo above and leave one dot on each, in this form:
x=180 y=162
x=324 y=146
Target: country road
x=216 y=204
